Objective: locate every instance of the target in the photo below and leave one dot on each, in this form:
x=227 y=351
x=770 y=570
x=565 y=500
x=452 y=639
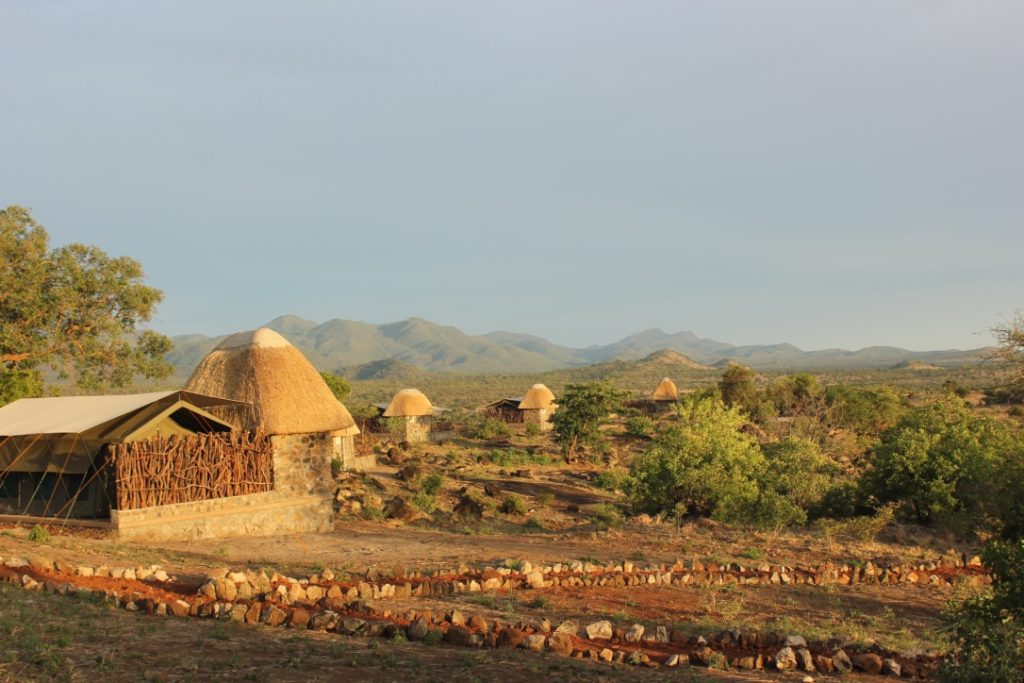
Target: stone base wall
x=539 y=418
x=415 y=429
x=257 y=514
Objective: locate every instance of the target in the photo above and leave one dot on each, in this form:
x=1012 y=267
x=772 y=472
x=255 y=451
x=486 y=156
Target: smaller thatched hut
x=665 y=392
x=537 y=406
x=412 y=411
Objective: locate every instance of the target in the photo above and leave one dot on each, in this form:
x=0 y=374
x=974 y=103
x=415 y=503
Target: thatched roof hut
x=665 y=391
x=284 y=392
x=539 y=397
x=409 y=403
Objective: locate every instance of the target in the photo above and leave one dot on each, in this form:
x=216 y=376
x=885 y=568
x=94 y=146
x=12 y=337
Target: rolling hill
x=342 y=345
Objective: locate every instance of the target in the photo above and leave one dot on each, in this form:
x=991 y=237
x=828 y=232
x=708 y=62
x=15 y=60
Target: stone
x=785 y=659
x=599 y=629
x=841 y=662
x=892 y=667
x=179 y=608
x=806 y=679
x=237 y=612
x=209 y=589
x=477 y=622
x=400 y=509
x=535 y=580
x=533 y=642
x=350 y=626
x=511 y=637
x=273 y=616
x=561 y=643
x=418 y=629
x=324 y=621
x=672 y=660
x=458 y=635
x=605 y=655
x=795 y=642
x=868 y=662
x=804 y=659
x=634 y=633
x=570 y=626
x=661 y=634
x=469 y=507
x=637 y=658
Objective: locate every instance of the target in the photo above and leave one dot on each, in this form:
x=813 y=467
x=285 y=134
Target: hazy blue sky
x=820 y=172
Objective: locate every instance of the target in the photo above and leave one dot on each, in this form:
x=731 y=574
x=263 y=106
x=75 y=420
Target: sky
x=829 y=174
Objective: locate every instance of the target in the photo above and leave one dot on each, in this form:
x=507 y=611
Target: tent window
x=10 y=486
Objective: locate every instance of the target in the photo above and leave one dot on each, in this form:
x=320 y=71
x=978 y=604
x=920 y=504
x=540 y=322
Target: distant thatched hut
x=505 y=409
x=537 y=406
x=665 y=392
x=412 y=410
x=287 y=399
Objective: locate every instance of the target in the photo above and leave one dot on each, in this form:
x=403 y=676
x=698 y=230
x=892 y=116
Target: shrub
x=488 y=428
x=610 y=480
x=696 y=464
x=987 y=630
x=532 y=429
x=534 y=523
x=432 y=484
x=860 y=528
x=606 y=515
x=797 y=469
x=424 y=502
x=337 y=466
x=639 y=426
x=513 y=505
x=39 y=534
x=544 y=499
x=943 y=464
x=512 y=457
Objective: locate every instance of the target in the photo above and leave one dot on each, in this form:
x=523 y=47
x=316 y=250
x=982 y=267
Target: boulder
x=785 y=659
x=868 y=662
x=841 y=662
x=561 y=643
x=533 y=642
x=599 y=629
x=634 y=633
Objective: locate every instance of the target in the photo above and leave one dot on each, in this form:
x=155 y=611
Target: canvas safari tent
x=53 y=451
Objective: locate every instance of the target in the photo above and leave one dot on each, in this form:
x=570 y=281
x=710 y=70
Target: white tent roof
x=76 y=414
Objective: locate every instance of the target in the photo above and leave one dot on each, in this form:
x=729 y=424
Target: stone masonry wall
x=302 y=463
x=539 y=418
x=256 y=514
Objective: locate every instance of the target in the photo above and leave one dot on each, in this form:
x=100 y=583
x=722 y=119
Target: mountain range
x=352 y=348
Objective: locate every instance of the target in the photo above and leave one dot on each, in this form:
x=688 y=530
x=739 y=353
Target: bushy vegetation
x=639 y=426
x=943 y=464
x=339 y=386
x=987 y=630
x=514 y=505
x=582 y=409
x=487 y=428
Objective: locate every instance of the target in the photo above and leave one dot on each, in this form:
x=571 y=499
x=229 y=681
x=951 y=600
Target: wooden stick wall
x=176 y=469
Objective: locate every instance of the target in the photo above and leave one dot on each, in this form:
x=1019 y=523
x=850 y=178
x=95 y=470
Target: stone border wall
x=256 y=514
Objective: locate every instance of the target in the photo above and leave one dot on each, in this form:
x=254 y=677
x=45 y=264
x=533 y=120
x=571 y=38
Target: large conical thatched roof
x=539 y=397
x=409 y=403
x=285 y=393
x=665 y=391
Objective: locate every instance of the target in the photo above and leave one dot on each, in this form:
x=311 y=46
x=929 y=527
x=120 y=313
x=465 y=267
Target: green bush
x=532 y=429
x=797 y=469
x=424 y=501
x=337 y=466
x=606 y=515
x=639 y=426
x=696 y=464
x=987 y=630
x=513 y=505
x=610 y=480
x=512 y=457
x=39 y=534
x=432 y=484
x=487 y=428
x=942 y=464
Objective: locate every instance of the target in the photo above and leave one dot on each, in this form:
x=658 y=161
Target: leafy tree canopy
x=581 y=410
x=73 y=309
x=339 y=386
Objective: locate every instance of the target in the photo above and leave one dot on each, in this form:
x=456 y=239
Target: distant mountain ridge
x=338 y=345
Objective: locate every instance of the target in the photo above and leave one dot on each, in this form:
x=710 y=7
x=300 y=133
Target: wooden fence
x=176 y=469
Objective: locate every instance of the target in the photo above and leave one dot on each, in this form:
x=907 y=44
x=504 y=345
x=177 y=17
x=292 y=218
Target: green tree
x=798 y=470
x=695 y=466
x=73 y=309
x=941 y=462
x=582 y=409
x=338 y=385
x=738 y=389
